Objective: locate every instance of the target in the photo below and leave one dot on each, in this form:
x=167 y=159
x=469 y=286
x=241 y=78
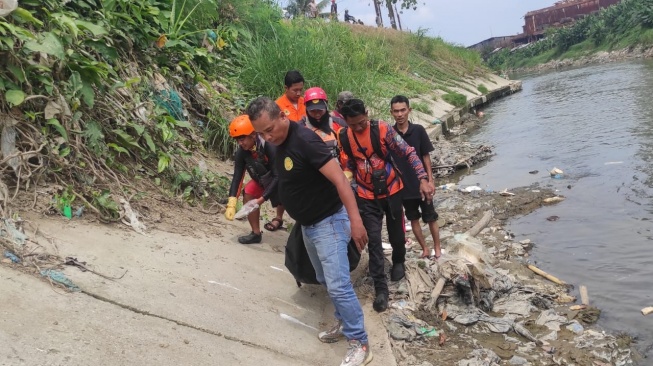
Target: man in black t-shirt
x=313 y=189
x=416 y=136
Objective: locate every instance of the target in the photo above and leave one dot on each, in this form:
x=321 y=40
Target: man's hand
x=260 y=201
x=426 y=189
x=359 y=234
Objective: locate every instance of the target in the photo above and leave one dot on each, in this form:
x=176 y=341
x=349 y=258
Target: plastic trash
x=246 y=209
x=60 y=278
x=471 y=189
x=68 y=211
x=7 y=6
x=556 y=173
x=79 y=212
x=575 y=327
x=12 y=257
x=131 y=217
x=8 y=144
x=448 y=186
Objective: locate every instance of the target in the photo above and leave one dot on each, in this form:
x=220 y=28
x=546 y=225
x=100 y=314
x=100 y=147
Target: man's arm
x=427 y=166
x=402 y=149
x=333 y=173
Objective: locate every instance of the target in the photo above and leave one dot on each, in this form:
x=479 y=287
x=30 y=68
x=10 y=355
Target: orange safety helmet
x=241 y=126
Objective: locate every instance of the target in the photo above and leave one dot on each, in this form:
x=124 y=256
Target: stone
x=516 y=360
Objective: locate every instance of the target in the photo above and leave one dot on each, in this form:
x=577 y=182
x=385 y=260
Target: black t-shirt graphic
x=307 y=195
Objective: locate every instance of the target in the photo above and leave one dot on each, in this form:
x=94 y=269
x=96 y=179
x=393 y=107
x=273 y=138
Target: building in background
x=563 y=12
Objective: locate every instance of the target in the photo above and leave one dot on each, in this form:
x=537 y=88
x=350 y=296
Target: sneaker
x=398 y=272
x=380 y=303
x=332 y=335
x=251 y=238
x=358 y=354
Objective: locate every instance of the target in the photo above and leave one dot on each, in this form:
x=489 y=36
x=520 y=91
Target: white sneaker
x=358 y=354
x=332 y=335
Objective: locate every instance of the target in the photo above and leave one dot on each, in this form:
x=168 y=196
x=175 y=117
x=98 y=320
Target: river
x=596 y=124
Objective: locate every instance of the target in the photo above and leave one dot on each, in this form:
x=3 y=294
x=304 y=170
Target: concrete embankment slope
x=196 y=299
x=445 y=116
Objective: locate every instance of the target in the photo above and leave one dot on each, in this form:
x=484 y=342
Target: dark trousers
x=372 y=212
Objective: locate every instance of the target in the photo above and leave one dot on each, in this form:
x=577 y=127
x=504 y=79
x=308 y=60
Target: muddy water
x=596 y=124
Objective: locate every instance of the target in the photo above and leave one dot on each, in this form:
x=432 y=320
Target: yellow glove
x=349 y=175
x=230 y=212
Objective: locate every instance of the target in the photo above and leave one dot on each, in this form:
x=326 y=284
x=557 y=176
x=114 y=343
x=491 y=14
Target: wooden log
x=546 y=275
x=647 y=310
x=437 y=290
x=481 y=224
x=584 y=296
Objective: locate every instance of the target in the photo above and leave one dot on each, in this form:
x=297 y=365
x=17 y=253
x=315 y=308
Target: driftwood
x=647 y=310
x=584 y=296
x=437 y=290
x=546 y=275
x=485 y=220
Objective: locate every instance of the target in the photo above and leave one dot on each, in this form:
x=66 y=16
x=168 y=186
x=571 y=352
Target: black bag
x=299 y=264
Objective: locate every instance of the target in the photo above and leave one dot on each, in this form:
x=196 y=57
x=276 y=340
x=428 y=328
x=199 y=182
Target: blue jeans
x=326 y=243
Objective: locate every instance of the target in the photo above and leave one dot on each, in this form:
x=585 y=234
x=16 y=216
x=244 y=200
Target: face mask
x=322 y=123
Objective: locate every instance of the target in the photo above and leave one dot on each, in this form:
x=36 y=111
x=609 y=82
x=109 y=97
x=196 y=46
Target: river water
x=596 y=124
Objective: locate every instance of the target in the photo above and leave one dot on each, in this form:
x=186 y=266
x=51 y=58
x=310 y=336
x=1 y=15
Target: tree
x=300 y=7
x=391 y=13
x=405 y=4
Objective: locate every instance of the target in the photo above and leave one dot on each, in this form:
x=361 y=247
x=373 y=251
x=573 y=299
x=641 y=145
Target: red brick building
x=566 y=11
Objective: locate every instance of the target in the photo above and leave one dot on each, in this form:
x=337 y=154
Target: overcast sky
x=460 y=21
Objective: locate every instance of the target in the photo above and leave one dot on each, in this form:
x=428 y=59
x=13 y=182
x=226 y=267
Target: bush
x=483 y=89
x=421 y=107
x=456 y=99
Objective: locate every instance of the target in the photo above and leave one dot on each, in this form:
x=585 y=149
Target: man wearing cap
x=343 y=97
x=319 y=120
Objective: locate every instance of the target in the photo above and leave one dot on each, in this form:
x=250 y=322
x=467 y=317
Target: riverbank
x=600 y=57
x=185 y=286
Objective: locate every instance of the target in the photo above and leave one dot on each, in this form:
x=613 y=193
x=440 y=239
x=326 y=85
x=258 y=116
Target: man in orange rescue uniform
x=366 y=145
x=292 y=102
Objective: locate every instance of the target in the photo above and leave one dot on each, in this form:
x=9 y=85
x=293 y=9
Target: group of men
x=337 y=175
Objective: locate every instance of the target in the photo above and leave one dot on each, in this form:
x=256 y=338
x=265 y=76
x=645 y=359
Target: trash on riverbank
x=491 y=306
x=647 y=310
x=556 y=173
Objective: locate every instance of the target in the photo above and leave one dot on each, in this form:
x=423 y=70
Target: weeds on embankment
x=375 y=64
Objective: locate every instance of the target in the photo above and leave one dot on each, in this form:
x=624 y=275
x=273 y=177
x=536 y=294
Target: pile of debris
x=477 y=305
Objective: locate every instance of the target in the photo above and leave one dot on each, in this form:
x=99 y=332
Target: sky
x=463 y=22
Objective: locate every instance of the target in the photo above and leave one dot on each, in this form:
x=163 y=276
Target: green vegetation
x=627 y=24
x=375 y=64
x=455 y=99
x=421 y=107
x=112 y=98
x=482 y=88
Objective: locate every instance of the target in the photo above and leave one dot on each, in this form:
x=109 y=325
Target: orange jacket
x=293 y=114
x=360 y=167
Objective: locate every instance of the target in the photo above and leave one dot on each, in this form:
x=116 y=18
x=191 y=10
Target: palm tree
x=300 y=7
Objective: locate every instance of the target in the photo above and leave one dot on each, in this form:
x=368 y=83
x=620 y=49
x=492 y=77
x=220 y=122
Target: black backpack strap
x=343 y=139
x=375 y=137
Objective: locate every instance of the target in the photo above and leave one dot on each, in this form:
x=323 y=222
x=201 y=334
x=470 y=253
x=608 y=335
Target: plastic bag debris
x=11 y=256
x=131 y=218
x=471 y=189
x=9 y=230
x=556 y=173
x=7 y=6
x=8 y=144
x=246 y=209
x=60 y=278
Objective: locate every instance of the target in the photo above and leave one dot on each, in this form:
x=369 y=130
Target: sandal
x=270 y=226
x=251 y=238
